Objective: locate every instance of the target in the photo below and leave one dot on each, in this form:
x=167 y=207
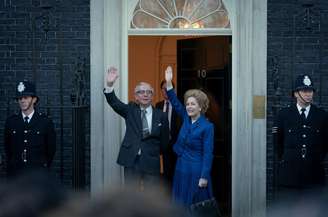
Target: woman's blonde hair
x=200 y=97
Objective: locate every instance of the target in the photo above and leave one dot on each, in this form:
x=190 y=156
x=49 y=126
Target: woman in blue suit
x=194 y=146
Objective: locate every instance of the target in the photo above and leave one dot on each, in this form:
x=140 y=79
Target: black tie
x=167 y=112
x=167 y=104
x=26 y=119
x=145 y=128
x=303 y=113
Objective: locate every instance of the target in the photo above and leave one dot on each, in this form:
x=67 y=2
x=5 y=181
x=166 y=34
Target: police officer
x=30 y=138
x=300 y=135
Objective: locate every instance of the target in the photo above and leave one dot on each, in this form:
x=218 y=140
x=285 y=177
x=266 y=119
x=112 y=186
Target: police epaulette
x=43 y=114
x=285 y=106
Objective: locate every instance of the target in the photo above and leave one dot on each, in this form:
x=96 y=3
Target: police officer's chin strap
x=305 y=102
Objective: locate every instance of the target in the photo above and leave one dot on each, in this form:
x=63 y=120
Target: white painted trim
x=248 y=134
x=106 y=126
x=112 y=122
x=96 y=83
x=131 y=4
x=149 y=31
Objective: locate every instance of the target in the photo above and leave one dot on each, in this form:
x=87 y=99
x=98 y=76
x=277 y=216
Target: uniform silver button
x=304 y=146
x=25 y=141
x=289 y=131
x=304 y=126
x=25 y=131
x=24 y=156
x=304 y=136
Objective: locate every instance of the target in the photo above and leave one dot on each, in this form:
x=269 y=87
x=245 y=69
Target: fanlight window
x=187 y=14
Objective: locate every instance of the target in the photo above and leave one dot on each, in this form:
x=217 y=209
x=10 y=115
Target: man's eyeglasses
x=142 y=92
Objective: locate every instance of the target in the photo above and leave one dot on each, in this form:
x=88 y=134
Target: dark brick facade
x=297 y=44
x=48 y=42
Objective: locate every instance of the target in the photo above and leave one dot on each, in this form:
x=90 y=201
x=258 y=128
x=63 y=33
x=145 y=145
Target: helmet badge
x=306 y=81
x=21 y=87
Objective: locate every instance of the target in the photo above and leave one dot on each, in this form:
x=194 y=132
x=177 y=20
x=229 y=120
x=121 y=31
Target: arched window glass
x=187 y=14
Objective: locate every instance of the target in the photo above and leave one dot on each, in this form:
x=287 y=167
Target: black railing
x=78 y=143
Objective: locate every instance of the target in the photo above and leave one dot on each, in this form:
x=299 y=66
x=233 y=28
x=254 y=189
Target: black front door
x=205 y=63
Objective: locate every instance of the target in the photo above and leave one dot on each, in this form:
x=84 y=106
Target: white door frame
x=110 y=20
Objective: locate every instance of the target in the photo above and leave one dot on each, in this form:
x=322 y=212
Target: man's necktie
x=145 y=127
x=167 y=104
x=26 y=119
x=167 y=109
x=303 y=114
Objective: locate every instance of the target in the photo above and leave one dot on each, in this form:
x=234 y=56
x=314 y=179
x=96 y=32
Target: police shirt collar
x=29 y=116
x=307 y=108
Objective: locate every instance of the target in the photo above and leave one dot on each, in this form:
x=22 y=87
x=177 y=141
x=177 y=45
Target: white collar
x=149 y=109
x=307 y=108
x=29 y=116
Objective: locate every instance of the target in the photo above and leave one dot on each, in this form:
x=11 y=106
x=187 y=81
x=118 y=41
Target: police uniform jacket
x=29 y=146
x=301 y=146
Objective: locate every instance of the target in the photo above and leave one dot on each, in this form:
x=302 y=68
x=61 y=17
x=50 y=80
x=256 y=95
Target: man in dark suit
x=300 y=134
x=30 y=138
x=166 y=107
x=147 y=133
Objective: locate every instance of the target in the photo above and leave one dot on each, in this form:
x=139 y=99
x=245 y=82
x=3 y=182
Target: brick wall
x=47 y=42
x=297 y=44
